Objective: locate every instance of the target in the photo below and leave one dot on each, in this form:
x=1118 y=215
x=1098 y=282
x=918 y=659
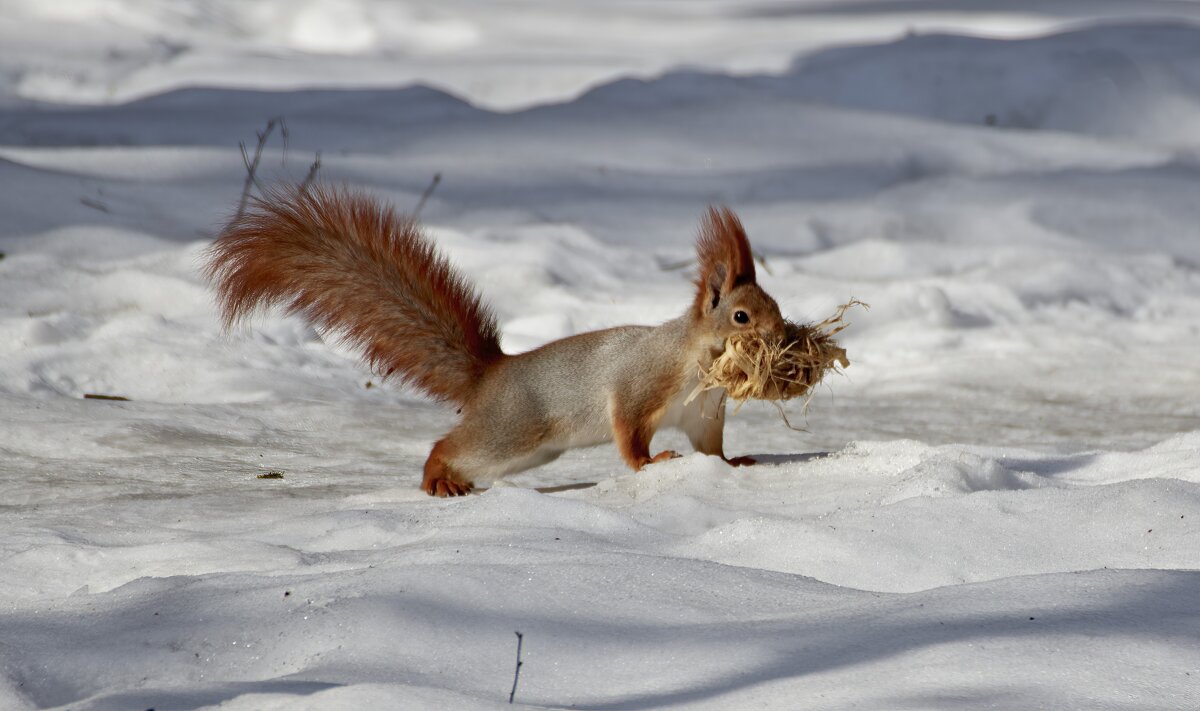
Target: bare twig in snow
x=94 y=204
x=252 y=164
x=286 y=136
x=312 y=173
x=762 y=261
x=675 y=266
x=437 y=178
x=517 y=673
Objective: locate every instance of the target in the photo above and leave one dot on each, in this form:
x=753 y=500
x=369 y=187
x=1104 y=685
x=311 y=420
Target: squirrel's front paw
x=741 y=461
x=663 y=456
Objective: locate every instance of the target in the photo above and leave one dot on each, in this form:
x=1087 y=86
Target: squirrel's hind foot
x=440 y=480
x=446 y=487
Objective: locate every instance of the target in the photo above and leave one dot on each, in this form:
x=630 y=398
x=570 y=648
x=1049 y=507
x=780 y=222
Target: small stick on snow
x=676 y=266
x=312 y=173
x=94 y=204
x=762 y=262
x=252 y=165
x=437 y=178
x=517 y=673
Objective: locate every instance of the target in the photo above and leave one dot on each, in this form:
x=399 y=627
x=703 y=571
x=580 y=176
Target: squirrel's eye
x=741 y=317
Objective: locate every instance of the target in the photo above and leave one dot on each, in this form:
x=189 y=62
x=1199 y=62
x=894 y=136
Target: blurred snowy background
x=996 y=507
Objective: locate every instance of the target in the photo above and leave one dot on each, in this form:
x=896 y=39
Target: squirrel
x=354 y=267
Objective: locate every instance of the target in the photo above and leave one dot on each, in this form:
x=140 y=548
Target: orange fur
x=439 y=479
x=355 y=269
x=634 y=422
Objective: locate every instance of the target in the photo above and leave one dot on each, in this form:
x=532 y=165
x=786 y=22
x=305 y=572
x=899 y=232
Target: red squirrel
x=355 y=268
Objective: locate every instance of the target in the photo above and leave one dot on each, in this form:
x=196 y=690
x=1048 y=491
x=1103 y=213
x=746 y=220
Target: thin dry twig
x=517 y=673
x=312 y=173
x=437 y=178
x=759 y=258
x=252 y=164
x=94 y=204
x=762 y=261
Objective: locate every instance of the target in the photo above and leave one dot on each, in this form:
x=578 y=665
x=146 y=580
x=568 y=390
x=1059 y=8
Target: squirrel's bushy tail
x=355 y=269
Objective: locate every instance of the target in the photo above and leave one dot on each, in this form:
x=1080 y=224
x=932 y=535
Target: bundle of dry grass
x=751 y=368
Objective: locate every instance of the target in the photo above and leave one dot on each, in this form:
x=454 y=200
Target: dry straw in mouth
x=751 y=368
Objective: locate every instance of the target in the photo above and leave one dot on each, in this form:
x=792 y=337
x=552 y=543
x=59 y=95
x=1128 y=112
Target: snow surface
x=997 y=507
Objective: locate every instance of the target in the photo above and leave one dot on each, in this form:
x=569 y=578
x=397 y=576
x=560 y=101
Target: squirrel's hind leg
x=475 y=452
x=441 y=478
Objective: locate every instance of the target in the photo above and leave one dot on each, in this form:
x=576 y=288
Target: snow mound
x=1128 y=81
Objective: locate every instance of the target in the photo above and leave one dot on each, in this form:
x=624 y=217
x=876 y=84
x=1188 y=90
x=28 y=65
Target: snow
x=996 y=507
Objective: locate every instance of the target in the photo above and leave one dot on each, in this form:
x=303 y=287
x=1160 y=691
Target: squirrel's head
x=728 y=298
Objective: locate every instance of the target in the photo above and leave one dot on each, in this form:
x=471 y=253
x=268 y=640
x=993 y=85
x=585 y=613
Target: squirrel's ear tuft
x=724 y=252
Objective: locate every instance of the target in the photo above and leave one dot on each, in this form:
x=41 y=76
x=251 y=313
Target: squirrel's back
x=357 y=270
x=564 y=393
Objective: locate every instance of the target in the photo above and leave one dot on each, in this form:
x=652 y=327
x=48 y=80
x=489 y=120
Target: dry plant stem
x=762 y=262
x=437 y=178
x=95 y=205
x=312 y=173
x=517 y=673
x=759 y=258
x=252 y=165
